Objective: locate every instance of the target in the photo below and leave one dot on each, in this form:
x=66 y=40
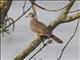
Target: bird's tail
x=55 y=38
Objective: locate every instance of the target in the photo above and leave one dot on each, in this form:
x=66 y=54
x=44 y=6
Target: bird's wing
x=39 y=27
x=42 y=28
x=42 y=25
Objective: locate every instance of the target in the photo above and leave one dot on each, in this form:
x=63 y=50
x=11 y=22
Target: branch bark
x=61 y=19
x=4 y=10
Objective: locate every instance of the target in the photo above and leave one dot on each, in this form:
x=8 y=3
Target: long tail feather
x=56 y=38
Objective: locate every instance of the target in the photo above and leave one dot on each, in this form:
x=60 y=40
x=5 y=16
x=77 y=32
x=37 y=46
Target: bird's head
x=30 y=14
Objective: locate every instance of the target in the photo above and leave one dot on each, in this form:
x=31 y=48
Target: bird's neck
x=32 y=18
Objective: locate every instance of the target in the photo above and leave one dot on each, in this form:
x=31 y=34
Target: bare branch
x=68 y=41
x=33 y=8
x=19 y=17
x=66 y=10
x=71 y=18
x=29 y=49
x=49 y=9
x=74 y=11
x=24 y=6
x=40 y=49
x=48 y=42
x=33 y=45
x=61 y=18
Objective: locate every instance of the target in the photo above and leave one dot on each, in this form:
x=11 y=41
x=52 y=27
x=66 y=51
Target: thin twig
x=49 y=9
x=13 y=23
x=24 y=6
x=33 y=8
x=18 y=17
x=48 y=42
x=74 y=11
x=68 y=41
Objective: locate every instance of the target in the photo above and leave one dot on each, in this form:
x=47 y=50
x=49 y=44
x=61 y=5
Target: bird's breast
x=33 y=25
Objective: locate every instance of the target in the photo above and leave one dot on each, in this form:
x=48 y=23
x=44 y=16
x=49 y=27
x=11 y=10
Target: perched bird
x=40 y=28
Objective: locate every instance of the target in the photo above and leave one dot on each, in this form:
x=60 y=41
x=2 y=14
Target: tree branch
x=33 y=45
x=33 y=8
x=48 y=42
x=29 y=49
x=61 y=18
x=24 y=6
x=4 y=10
x=74 y=11
x=68 y=41
x=18 y=17
x=71 y=18
x=48 y=9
